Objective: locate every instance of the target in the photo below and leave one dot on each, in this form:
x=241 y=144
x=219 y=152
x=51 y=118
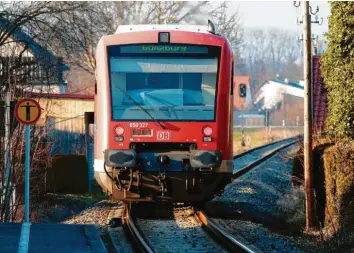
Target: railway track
x=189 y=229
x=135 y=234
x=229 y=241
x=248 y=160
x=178 y=231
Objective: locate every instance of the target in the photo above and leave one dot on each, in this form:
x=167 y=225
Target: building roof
x=273 y=91
x=61 y=96
x=41 y=53
x=295 y=85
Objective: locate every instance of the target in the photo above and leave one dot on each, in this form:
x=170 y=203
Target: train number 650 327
x=138 y=124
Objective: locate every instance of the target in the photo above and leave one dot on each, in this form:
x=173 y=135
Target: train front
x=163 y=113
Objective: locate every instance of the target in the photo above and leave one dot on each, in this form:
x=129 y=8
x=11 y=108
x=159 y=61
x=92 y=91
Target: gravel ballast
x=244 y=160
x=99 y=214
x=181 y=234
x=258 y=206
x=262 y=203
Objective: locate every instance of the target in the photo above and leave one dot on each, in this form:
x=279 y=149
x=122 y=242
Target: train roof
x=140 y=28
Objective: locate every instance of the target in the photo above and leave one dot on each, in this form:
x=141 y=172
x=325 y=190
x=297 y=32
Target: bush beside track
x=333 y=166
x=339 y=182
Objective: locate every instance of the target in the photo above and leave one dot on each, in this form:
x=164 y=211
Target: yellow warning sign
x=27 y=111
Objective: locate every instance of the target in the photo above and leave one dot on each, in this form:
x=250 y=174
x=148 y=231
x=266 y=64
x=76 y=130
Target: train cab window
x=192 y=81
x=167 y=87
x=136 y=81
x=163 y=81
x=192 y=85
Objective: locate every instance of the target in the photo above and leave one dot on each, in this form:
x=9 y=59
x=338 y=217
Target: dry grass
x=293 y=209
x=255 y=137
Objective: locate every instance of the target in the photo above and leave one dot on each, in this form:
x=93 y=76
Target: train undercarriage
x=179 y=175
x=129 y=185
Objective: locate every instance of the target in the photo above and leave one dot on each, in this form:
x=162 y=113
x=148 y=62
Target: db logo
x=163 y=136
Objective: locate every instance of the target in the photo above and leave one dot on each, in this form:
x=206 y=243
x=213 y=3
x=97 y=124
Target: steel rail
x=230 y=242
x=250 y=166
x=135 y=233
x=264 y=146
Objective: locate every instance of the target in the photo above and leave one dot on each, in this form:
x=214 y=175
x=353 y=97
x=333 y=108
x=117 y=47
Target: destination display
x=163 y=49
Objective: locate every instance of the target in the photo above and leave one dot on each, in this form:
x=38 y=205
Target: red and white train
x=163 y=113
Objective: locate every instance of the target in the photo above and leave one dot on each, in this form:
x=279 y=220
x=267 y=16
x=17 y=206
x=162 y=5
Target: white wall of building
x=272 y=93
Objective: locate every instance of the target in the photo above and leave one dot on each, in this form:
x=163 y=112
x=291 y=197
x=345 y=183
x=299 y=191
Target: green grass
x=96 y=195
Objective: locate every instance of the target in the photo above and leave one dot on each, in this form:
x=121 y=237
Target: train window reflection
x=168 y=88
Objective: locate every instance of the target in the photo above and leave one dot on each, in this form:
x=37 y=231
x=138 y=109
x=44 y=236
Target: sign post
x=27 y=112
x=242 y=93
x=27 y=168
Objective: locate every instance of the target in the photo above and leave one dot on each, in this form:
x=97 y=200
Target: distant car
x=163 y=113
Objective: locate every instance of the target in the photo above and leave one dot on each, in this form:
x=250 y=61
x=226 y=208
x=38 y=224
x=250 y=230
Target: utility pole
x=308 y=171
x=314 y=42
x=308 y=119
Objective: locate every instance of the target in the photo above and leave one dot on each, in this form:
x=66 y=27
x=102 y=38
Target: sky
x=280 y=14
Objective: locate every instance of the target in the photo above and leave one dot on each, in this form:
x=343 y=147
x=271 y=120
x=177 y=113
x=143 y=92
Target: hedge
x=339 y=184
x=337 y=67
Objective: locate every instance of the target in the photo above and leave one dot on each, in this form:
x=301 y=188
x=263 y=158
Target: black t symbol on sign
x=28 y=111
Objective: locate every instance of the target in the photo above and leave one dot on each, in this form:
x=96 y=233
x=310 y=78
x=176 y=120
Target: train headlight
x=207 y=131
x=119 y=130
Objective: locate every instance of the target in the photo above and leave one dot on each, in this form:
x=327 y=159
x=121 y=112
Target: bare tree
x=272 y=53
x=76 y=33
x=25 y=66
x=228 y=24
x=27 y=47
x=160 y=12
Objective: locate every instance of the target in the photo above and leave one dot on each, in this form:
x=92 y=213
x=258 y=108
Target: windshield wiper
x=142 y=108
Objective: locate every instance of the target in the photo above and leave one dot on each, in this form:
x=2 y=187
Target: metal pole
x=242 y=130
x=266 y=123
x=308 y=119
x=7 y=160
x=27 y=174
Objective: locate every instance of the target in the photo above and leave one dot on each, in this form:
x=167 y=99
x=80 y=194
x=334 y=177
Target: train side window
x=232 y=78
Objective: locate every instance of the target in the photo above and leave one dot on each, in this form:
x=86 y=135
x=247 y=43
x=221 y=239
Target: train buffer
x=53 y=238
